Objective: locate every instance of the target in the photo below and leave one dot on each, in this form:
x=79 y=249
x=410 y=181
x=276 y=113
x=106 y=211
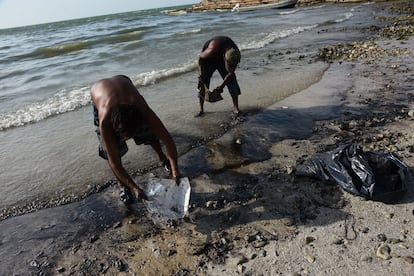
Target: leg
x=235 y=99
x=233 y=87
x=201 y=101
x=206 y=72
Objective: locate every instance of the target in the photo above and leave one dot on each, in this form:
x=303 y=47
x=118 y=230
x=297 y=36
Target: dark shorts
x=145 y=137
x=209 y=67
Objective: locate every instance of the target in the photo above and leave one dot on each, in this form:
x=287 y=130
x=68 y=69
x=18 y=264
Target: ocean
x=48 y=147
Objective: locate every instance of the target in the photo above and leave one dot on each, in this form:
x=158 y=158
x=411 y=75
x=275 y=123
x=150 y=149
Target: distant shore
x=228 y=5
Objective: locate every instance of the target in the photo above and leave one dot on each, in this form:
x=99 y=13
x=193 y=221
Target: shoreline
x=249 y=215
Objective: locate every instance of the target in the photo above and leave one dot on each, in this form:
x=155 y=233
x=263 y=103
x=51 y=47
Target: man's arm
x=226 y=79
x=158 y=128
x=114 y=160
x=211 y=51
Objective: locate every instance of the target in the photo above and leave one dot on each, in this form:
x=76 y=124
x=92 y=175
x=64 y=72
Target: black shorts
x=208 y=67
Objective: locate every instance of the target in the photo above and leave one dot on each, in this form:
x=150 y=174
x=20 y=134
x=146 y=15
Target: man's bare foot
x=201 y=113
x=140 y=195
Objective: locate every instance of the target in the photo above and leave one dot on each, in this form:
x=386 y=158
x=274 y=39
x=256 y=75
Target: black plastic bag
x=373 y=175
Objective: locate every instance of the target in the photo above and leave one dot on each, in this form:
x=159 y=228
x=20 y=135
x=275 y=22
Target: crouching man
x=121 y=113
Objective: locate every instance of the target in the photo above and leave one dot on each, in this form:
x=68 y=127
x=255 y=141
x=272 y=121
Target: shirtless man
x=122 y=113
x=222 y=54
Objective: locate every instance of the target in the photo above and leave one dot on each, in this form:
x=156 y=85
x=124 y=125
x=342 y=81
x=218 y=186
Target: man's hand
x=140 y=194
x=176 y=177
x=218 y=89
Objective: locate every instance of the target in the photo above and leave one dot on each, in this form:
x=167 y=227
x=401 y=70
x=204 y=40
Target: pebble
x=393 y=240
x=289 y=169
x=403 y=246
x=367 y=259
x=408 y=259
x=240 y=268
x=119 y=265
x=382 y=237
x=309 y=240
x=384 y=252
x=93 y=238
x=242 y=260
x=60 y=269
x=310 y=259
x=365 y=230
x=117 y=225
x=211 y=204
x=34 y=263
x=259 y=244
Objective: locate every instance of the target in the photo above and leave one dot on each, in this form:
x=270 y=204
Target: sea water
x=48 y=147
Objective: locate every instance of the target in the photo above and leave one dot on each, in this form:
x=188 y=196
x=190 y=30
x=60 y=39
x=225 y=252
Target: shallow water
x=48 y=144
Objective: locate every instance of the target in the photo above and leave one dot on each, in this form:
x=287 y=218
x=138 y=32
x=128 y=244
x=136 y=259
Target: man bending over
x=121 y=113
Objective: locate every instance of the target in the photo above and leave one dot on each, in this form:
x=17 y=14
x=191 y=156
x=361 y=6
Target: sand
x=250 y=213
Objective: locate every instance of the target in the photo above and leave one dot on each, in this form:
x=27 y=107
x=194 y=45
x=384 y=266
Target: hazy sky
x=14 y=13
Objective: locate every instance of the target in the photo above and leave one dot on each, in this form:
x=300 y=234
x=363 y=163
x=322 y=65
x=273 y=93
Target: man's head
x=125 y=118
x=232 y=58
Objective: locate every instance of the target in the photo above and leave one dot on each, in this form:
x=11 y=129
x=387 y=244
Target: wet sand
x=250 y=214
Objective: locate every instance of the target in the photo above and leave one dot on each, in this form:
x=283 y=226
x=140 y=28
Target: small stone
x=408 y=259
x=309 y=240
x=367 y=259
x=60 y=269
x=384 y=252
x=211 y=204
x=393 y=240
x=259 y=244
x=93 y=238
x=171 y=252
x=365 y=230
x=310 y=259
x=389 y=215
x=240 y=268
x=382 y=237
x=289 y=170
x=117 y=225
x=119 y=265
x=242 y=260
x=403 y=246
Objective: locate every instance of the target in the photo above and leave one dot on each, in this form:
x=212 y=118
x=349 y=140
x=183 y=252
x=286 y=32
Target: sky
x=16 y=13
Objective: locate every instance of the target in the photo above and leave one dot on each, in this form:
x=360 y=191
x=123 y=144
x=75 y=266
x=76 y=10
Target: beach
x=250 y=213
